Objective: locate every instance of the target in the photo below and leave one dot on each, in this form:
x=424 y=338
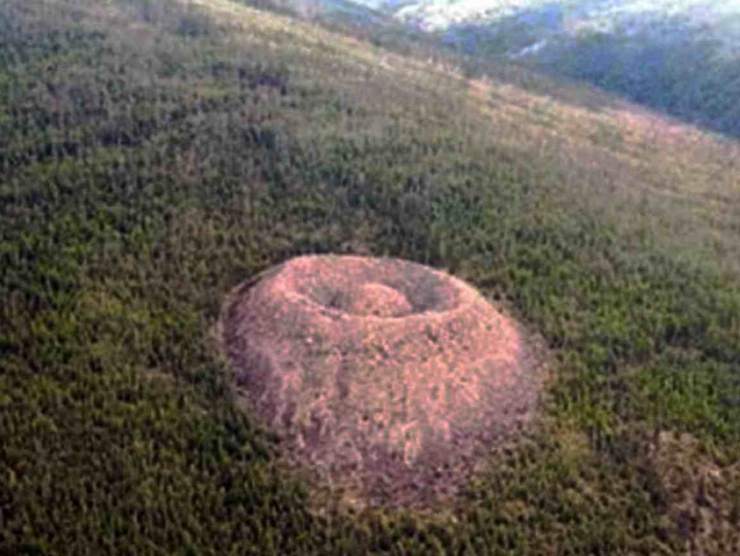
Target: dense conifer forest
x=154 y=154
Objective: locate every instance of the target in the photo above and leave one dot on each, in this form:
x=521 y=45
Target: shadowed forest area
x=155 y=154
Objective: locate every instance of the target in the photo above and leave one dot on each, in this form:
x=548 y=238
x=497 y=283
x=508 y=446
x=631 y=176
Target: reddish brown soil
x=388 y=378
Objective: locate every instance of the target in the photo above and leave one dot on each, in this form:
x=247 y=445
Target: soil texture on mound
x=387 y=378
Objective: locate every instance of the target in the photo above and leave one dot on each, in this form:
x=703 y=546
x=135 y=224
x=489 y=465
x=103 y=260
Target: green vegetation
x=671 y=64
x=682 y=73
x=154 y=154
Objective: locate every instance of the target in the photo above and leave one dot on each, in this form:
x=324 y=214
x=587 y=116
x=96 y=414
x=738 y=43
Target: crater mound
x=388 y=378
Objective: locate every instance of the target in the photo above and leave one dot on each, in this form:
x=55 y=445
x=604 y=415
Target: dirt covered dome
x=386 y=377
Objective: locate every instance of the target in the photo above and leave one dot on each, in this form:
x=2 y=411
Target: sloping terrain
x=677 y=56
x=153 y=155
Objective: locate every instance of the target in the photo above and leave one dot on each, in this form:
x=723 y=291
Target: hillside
x=677 y=56
x=155 y=154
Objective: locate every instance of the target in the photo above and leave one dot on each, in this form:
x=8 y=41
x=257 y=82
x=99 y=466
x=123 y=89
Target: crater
x=373 y=299
x=387 y=378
